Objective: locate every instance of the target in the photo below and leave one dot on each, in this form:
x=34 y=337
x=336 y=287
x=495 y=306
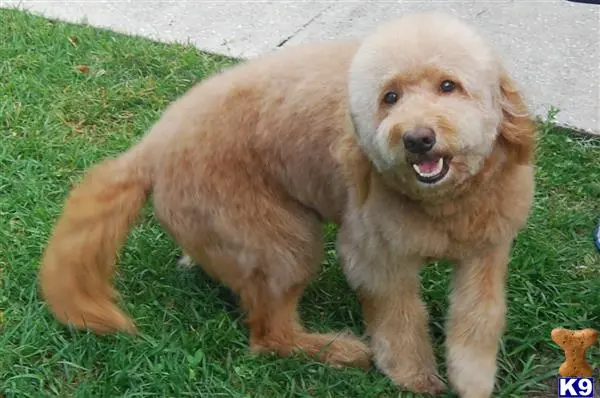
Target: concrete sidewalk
x=552 y=47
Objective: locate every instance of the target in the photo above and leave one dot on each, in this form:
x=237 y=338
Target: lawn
x=72 y=95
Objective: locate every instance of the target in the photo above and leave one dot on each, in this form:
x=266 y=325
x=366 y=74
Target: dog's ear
x=517 y=127
x=355 y=166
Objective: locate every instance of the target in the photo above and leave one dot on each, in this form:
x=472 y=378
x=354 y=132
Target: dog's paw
x=420 y=383
x=348 y=350
x=185 y=262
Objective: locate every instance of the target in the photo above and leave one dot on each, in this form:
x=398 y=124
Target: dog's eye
x=390 y=98
x=447 y=86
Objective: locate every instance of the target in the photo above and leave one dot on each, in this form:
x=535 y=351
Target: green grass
x=56 y=121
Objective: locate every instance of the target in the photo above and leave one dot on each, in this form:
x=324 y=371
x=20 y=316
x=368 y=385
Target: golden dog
x=415 y=141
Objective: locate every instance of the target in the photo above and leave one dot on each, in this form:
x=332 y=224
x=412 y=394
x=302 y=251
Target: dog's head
x=430 y=103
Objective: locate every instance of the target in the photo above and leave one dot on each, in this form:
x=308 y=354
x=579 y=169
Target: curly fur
x=245 y=167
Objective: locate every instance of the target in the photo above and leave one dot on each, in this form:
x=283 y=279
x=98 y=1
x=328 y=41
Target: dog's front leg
x=397 y=322
x=476 y=322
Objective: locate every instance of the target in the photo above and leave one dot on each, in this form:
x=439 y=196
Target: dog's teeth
x=437 y=170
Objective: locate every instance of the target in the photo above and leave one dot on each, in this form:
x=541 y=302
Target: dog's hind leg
x=265 y=250
x=270 y=277
x=270 y=293
x=275 y=326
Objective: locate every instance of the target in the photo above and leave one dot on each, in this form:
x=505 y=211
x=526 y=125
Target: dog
x=414 y=140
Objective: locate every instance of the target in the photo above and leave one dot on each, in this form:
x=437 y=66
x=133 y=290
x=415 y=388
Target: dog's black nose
x=419 y=140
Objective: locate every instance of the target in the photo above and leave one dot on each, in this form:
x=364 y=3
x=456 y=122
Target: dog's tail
x=78 y=262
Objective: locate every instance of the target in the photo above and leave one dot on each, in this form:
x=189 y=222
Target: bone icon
x=575 y=344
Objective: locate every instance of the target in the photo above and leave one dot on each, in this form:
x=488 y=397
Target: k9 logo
x=575 y=387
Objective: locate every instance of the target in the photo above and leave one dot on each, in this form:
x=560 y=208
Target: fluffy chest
x=407 y=230
x=414 y=233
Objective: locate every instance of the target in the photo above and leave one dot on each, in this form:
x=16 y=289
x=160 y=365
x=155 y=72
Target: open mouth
x=432 y=169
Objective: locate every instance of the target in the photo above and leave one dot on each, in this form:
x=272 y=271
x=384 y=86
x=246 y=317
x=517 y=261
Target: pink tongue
x=428 y=166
